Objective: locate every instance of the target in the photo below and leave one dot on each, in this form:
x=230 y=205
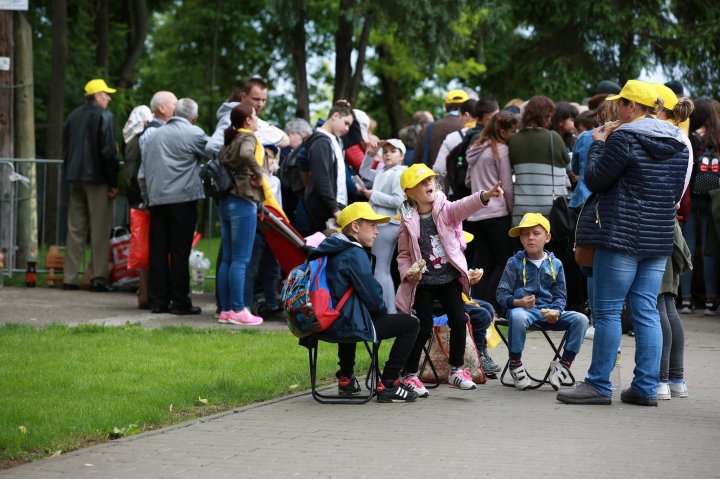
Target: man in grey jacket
x=91 y=166
x=169 y=179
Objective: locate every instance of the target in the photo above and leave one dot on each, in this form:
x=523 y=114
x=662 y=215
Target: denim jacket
x=522 y=278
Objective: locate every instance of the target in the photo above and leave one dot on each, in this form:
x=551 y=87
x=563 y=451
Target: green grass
x=64 y=387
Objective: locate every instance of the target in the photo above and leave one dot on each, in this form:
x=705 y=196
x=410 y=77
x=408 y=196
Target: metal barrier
x=41 y=208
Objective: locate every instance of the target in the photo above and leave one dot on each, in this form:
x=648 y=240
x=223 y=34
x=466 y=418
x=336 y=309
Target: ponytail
x=229 y=134
x=682 y=110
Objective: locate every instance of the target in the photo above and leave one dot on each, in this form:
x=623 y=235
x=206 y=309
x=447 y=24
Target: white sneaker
x=663 y=391
x=590 y=333
x=520 y=378
x=679 y=390
x=558 y=374
x=413 y=382
x=686 y=307
x=461 y=378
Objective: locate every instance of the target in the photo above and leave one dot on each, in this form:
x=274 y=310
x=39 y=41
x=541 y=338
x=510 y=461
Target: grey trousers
x=673 y=351
x=383 y=249
x=90 y=211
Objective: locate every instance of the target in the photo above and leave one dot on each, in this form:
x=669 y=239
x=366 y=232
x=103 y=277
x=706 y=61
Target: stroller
x=285 y=242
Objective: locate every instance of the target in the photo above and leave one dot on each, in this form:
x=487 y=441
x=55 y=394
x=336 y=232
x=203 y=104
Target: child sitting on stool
x=532 y=288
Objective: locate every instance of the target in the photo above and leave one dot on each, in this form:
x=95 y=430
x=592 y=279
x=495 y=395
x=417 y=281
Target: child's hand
x=526 y=302
x=551 y=315
x=474 y=275
x=496 y=192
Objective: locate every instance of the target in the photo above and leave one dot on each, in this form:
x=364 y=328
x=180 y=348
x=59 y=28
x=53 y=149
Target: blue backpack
x=306 y=299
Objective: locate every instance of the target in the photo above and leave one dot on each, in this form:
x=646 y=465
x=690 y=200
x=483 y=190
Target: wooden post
x=6 y=135
x=25 y=138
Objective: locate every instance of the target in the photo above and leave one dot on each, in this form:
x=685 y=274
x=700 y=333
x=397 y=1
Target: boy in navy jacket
x=532 y=289
x=364 y=315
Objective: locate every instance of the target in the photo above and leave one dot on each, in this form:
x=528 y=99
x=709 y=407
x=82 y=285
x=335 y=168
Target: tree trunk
x=102 y=33
x=25 y=138
x=7 y=239
x=138 y=24
x=343 y=51
x=296 y=42
x=55 y=115
x=391 y=92
x=360 y=63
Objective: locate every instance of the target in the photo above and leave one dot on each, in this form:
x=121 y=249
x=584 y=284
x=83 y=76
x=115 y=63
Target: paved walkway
x=494 y=431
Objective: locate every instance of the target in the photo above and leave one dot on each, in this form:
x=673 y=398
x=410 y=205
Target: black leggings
x=450 y=297
x=402 y=327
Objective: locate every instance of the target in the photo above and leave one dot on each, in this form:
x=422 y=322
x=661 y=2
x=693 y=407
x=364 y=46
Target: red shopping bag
x=139 y=257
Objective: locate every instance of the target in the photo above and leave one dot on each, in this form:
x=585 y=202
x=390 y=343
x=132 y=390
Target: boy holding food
x=532 y=288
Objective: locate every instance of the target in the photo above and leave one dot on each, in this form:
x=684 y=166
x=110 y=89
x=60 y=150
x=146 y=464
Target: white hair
x=186 y=108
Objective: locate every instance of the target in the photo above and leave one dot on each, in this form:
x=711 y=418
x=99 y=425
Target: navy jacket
x=639 y=174
x=349 y=265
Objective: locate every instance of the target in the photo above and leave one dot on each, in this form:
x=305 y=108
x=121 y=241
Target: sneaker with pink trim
x=244 y=318
x=223 y=317
x=412 y=381
x=461 y=378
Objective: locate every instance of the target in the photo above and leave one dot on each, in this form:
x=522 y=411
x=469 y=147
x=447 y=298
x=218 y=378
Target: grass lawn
x=64 y=388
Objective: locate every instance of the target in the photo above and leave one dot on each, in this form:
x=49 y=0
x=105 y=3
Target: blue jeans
x=264 y=263
x=481 y=317
x=238 y=220
x=700 y=213
x=519 y=319
x=617 y=276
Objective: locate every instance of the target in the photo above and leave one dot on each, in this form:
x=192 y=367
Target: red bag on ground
x=120 y=274
x=139 y=257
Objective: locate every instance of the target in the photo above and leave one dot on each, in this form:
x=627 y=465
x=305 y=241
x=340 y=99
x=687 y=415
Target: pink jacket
x=448 y=217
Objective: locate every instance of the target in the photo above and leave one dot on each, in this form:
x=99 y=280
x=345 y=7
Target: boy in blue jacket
x=532 y=288
x=364 y=315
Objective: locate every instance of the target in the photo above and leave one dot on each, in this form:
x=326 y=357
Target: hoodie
x=349 y=265
x=639 y=173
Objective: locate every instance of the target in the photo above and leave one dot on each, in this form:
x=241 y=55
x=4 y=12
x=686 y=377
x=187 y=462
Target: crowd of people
x=454 y=215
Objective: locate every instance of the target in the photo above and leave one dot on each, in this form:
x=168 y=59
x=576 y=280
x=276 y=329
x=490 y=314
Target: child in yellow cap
x=532 y=288
x=432 y=266
x=364 y=314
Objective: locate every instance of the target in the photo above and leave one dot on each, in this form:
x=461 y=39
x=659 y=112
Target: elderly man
x=91 y=166
x=169 y=178
x=162 y=105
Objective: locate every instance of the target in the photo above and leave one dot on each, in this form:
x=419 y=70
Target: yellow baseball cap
x=456 y=96
x=668 y=96
x=528 y=221
x=639 y=92
x=414 y=175
x=360 y=210
x=96 y=86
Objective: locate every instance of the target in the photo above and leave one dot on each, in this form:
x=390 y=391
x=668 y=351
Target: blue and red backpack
x=306 y=299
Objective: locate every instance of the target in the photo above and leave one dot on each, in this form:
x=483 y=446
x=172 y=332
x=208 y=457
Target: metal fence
x=33 y=211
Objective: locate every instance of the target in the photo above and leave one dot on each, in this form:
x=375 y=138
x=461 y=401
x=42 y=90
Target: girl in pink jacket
x=430 y=231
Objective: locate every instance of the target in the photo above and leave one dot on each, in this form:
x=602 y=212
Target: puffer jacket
x=348 y=264
x=448 y=217
x=639 y=173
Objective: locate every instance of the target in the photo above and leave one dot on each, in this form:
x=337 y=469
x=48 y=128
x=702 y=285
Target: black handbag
x=563 y=219
x=590 y=216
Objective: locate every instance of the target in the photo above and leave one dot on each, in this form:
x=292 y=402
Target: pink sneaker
x=244 y=318
x=223 y=318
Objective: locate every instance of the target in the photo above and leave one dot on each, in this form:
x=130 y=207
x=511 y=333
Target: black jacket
x=89 y=149
x=321 y=192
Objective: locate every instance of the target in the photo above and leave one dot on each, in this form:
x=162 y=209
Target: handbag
x=563 y=219
x=584 y=252
x=440 y=356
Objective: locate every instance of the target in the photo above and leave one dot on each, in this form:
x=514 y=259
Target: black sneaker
x=631 y=396
x=397 y=393
x=348 y=386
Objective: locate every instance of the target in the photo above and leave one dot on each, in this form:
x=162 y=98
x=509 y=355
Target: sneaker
x=348 y=386
x=583 y=393
x=687 y=307
x=558 y=374
x=461 y=378
x=711 y=308
x=488 y=364
x=398 y=393
x=631 y=396
x=679 y=390
x=520 y=377
x=244 y=318
x=413 y=382
x=223 y=317
x=590 y=333
x=663 y=391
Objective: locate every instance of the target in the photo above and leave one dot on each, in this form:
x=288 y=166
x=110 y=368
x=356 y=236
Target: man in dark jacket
x=91 y=166
x=426 y=149
x=364 y=314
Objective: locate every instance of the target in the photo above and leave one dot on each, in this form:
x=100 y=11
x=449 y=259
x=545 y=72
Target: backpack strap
x=344 y=298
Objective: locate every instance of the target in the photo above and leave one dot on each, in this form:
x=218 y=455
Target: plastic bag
x=139 y=257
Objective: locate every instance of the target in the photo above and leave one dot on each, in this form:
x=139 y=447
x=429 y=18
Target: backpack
x=216 y=179
x=706 y=176
x=289 y=171
x=306 y=299
x=133 y=158
x=457 y=165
